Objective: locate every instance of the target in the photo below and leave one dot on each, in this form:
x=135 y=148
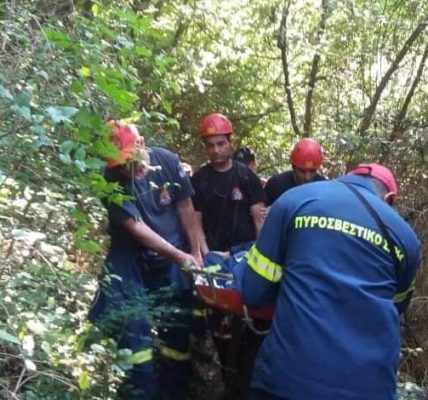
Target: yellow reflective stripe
x=262 y=266
x=174 y=354
x=141 y=356
x=199 y=313
x=399 y=297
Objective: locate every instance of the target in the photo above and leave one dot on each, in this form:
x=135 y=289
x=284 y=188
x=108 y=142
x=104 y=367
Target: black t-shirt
x=224 y=199
x=280 y=183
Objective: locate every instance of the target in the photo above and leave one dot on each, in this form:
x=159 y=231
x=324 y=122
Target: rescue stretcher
x=218 y=290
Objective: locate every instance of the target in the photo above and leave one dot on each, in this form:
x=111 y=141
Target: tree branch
x=398 y=125
x=369 y=112
x=282 y=45
x=307 y=123
x=257 y=117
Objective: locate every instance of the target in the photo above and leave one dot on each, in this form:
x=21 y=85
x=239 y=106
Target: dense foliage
x=348 y=72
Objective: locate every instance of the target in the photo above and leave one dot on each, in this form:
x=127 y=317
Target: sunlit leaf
x=61 y=114
x=85 y=71
x=83 y=380
x=30 y=365
x=22 y=111
x=5 y=93
x=81 y=165
x=65 y=158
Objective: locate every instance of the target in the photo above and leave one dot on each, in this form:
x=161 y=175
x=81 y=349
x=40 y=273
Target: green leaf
x=122 y=97
x=38 y=129
x=142 y=51
x=158 y=116
x=43 y=140
x=173 y=122
x=98 y=349
x=80 y=153
x=61 y=114
x=65 y=158
x=7 y=337
x=5 y=93
x=67 y=146
x=87 y=119
x=23 y=99
x=81 y=165
x=89 y=246
x=46 y=347
x=22 y=111
x=94 y=163
x=59 y=38
x=83 y=380
x=79 y=216
x=77 y=87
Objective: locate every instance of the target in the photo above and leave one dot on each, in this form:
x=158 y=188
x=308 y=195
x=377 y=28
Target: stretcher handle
x=216 y=275
x=212 y=299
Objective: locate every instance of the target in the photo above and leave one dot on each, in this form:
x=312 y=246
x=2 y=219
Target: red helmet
x=127 y=140
x=306 y=154
x=378 y=172
x=215 y=124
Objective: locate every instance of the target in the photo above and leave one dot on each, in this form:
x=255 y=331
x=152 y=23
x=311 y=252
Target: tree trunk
x=282 y=45
x=307 y=124
x=398 y=125
x=369 y=112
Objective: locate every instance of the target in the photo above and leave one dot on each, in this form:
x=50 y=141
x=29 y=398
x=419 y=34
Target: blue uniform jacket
x=154 y=199
x=322 y=259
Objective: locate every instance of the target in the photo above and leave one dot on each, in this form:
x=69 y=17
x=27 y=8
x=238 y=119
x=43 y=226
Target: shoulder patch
x=165 y=197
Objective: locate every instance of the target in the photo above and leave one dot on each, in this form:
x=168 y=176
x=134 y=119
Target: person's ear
x=389 y=198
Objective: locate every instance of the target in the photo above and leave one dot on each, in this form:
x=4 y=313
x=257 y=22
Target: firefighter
x=228 y=196
x=151 y=232
x=339 y=263
x=248 y=157
x=229 y=203
x=306 y=159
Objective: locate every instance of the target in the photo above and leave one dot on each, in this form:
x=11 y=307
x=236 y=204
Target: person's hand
x=264 y=212
x=198 y=257
x=186 y=260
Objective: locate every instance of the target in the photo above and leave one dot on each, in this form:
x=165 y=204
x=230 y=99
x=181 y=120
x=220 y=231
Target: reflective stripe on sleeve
x=199 y=313
x=174 y=354
x=141 y=356
x=400 y=297
x=262 y=266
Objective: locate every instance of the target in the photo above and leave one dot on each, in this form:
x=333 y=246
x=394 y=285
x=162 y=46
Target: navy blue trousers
x=136 y=295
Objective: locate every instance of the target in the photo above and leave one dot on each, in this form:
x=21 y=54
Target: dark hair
x=244 y=155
